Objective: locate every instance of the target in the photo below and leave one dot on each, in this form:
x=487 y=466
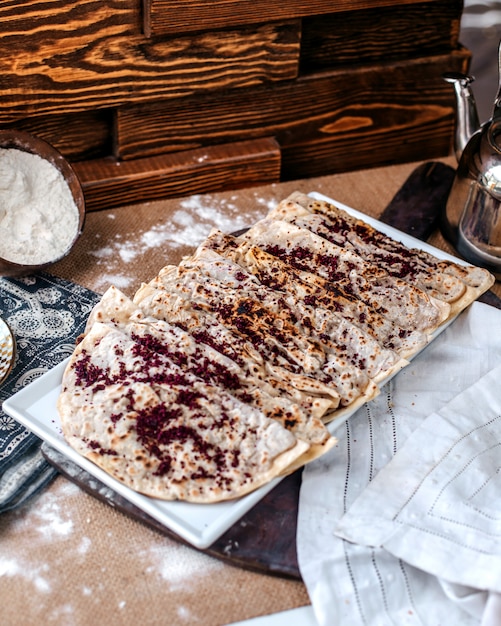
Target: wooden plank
x=96 y=62
x=338 y=106
x=162 y=17
x=109 y=183
x=78 y=136
x=41 y=20
x=389 y=34
x=375 y=136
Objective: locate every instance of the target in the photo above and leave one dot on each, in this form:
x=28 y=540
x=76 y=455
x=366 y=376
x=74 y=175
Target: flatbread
x=320 y=294
x=206 y=329
x=339 y=336
x=163 y=432
x=165 y=340
x=261 y=316
x=222 y=372
x=456 y=284
x=392 y=297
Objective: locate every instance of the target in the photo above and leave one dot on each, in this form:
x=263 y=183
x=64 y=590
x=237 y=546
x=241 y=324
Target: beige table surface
x=68 y=559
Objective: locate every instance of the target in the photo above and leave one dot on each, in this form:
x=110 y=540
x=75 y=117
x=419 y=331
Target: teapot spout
x=467 y=122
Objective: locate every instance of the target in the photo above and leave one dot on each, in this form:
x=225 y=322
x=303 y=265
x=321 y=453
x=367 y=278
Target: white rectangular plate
x=35 y=407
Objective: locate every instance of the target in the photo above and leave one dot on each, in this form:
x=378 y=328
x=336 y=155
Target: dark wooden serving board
x=265 y=538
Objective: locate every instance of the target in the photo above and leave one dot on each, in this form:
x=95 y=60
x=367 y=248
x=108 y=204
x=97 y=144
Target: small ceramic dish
x=21 y=140
x=7 y=350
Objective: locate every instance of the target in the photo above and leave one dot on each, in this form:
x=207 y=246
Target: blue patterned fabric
x=46 y=314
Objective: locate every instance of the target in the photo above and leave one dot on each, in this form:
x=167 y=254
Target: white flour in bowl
x=38 y=216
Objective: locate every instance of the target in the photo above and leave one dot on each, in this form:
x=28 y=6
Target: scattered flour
x=63 y=614
x=10 y=567
x=38 y=216
x=185 y=614
x=118 y=280
x=49 y=517
x=46 y=524
x=84 y=545
x=180 y=566
x=186 y=227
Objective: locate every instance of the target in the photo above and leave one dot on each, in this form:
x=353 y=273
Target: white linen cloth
x=400 y=524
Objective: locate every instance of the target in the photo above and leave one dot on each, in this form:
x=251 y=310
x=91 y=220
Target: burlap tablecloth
x=68 y=559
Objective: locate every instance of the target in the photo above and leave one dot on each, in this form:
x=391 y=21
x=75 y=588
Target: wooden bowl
x=21 y=140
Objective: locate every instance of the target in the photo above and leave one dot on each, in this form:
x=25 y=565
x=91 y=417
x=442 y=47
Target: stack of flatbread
x=223 y=372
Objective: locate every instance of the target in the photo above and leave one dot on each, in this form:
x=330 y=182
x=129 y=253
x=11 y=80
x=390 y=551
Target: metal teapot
x=472 y=219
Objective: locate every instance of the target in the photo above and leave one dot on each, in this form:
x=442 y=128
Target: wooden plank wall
x=162 y=17
x=173 y=97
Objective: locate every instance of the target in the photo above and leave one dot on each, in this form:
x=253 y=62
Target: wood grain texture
x=320 y=124
x=380 y=35
x=60 y=57
x=78 y=136
x=371 y=136
x=344 y=85
x=109 y=183
x=169 y=16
